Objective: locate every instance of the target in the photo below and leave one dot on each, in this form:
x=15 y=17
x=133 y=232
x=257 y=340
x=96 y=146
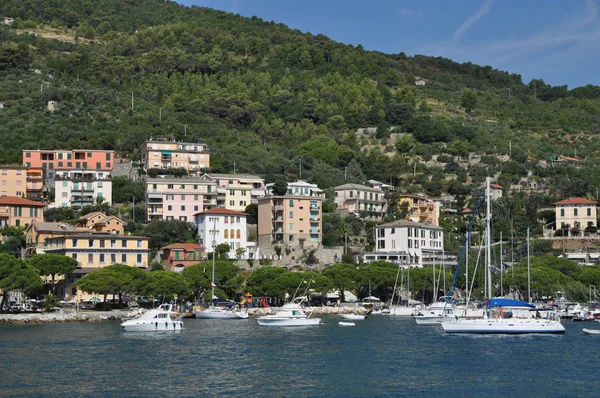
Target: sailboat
x=504 y=315
x=412 y=307
x=218 y=312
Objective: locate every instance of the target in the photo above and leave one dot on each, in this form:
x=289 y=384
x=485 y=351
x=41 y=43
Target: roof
x=356 y=186
x=576 y=201
x=17 y=201
x=223 y=211
x=496 y=186
x=53 y=227
x=233 y=176
x=183 y=246
x=405 y=223
x=92 y=215
x=467 y=211
x=174 y=180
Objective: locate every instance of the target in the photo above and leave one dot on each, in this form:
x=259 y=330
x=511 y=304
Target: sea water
x=380 y=356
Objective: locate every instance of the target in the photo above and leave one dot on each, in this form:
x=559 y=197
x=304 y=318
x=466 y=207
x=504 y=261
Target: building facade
x=77 y=189
x=419 y=208
x=356 y=198
x=13 y=181
x=37 y=235
x=577 y=213
x=237 y=191
x=162 y=154
x=100 y=222
x=299 y=188
x=290 y=220
x=224 y=226
x=79 y=160
x=20 y=212
x=180 y=255
x=416 y=243
x=179 y=198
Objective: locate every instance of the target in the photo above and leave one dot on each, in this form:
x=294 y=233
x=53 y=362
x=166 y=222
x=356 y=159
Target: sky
x=556 y=40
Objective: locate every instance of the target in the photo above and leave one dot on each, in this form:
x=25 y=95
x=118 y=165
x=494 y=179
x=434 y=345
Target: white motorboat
x=588 y=331
x=220 y=313
x=346 y=323
x=155 y=320
x=509 y=317
x=404 y=311
x=434 y=314
x=353 y=317
x=291 y=314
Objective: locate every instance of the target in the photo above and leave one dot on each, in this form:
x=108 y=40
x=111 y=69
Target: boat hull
x=347 y=323
x=288 y=322
x=159 y=326
x=220 y=314
x=353 y=317
x=407 y=312
x=591 y=331
x=503 y=326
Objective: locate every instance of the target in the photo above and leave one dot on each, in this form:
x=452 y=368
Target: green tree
x=468 y=99
x=118 y=279
x=280 y=188
x=222 y=249
x=343 y=277
x=165 y=284
x=52 y=265
x=16 y=274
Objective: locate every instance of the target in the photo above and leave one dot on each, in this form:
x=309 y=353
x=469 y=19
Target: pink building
x=76 y=159
x=178 y=198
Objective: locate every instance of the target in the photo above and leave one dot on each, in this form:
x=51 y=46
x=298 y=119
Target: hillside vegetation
x=273 y=100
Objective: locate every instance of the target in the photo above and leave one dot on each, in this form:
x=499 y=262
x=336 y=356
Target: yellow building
x=162 y=154
x=20 y=212
x=236 y=191
x=419 y=209
x=97 y=250
x=13 y=181
x=38 y=233
x=100 y=222
x=576 y=214
x=290 y=220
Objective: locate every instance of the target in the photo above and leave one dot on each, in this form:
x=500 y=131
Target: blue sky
x=556 y=40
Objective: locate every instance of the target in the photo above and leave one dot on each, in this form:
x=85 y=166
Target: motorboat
x=291 y=314
x=588 y=331
x=220 y=313
x=434 y=314
x=354 y=317
x=155 y=320
x=508 y=317
x=346 y=323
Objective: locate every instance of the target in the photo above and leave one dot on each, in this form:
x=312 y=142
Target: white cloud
x=480 y=13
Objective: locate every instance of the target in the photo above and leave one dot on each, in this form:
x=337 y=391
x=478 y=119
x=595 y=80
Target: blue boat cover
x=502 y=302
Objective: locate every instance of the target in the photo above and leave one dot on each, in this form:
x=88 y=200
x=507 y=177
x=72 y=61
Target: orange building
x=76 y=159
x=100 y=222
x=180 y=255
x=19 y=212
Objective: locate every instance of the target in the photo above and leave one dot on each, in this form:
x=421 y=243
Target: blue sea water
x=381 y=356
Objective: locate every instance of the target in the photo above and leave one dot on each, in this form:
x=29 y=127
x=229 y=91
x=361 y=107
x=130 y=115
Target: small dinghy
x=346 y=323
x=591 y=331
x=353 y=317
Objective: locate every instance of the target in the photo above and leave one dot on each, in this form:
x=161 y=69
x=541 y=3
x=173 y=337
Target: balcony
x=82 y=190
x=278 y=207
x=314 y=219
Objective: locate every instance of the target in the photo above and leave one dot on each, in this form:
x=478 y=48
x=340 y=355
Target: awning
x=167 y=153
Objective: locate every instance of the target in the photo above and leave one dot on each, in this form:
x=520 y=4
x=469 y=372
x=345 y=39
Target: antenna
x=132 y=101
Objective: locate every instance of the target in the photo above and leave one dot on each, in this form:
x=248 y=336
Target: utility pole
x=134 y=210
x=132 y=101
x=160 y=115
x=300 y=161
x=185 y=130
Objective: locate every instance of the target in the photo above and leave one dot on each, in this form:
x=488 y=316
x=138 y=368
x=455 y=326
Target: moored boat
x=346 y=323
x=591 y=331
x=290 y=314
x=353 y=317
x=155 y=320
x=220 y=313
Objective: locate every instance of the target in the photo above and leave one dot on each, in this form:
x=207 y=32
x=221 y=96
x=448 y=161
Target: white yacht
x=220 y=313
x=155 y=320
x=434 y=314
x=353 y=317
x=290 y=314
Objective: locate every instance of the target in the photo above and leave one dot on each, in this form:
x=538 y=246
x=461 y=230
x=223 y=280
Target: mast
x=501 y=268
x=528 y=271
x=488 y=241
x=214 y=245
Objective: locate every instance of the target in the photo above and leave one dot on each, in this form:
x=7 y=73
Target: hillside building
x=237 y=191
x=20 y=212
x=578 y=213
x=419 y=209
x=80 y=188
x=180 y=255
x=179 y=198
x=77 y=160
x=224 y=226
x=163 y=154
x=356 y=198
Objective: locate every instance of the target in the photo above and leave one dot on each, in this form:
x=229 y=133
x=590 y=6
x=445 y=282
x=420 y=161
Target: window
x=85 y=165
x=74 y=256
x=562 y=212
x=60 y=164
x=89 y=154
x=231 y=235
x=589 y=212
x=108 y=156
x=113 y=243
x=123 y=243
x=226 y=220
x=139 y=243
x=182 y=208
x=182 y=197
x=77 y=165
x=291 y=226
x=291 y=203
x=74 y=242
x=195 y=187
x=170 y=197
x=101 y=255
x=169 y=207
x=90 y=242
x=90 y=258
x=575 y=212
x=124 y=258
x=291 y=214
x=27 y=154
x=113 y=258
x=410 y=244
x=195 y=197
x=238 y=234
x=101 y=242
x=100 y=184
x=232 y=203
x=170 y=186
x=232 y=191
x=69 y=164
x=410 y=232
x=98 y=165
x=195 y=208
x=232 y=219
x=237 y=219
x=226 y=234
x=139 y=259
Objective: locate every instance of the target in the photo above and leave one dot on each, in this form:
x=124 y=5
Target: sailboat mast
x=214 y=244
x=488 y=245
x=528 y=271
x=501 y=268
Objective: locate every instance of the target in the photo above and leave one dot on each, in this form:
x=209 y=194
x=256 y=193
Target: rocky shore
x=314 y=310
x=66 y=316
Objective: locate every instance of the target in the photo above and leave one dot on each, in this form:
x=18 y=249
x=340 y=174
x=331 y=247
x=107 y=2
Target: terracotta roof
x=467 y=211
x=185 y=246
x=496 y=186
x=221 y=210
x=17 y=201
x=576 y=201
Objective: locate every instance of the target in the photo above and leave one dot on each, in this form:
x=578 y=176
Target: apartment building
x=236 y=191
x=19 y=212
x=179 y=198
x=163 y=154
x=13 y=181
x=299 y=188
x=357 y=199
x=218 y=226
x=37 y=235
x=419 y=208
x=77 y=189
x=180 y=255
x=51 y=161
x=291 y=220
x=577 y=213
x=416 y=243
x=100 y=222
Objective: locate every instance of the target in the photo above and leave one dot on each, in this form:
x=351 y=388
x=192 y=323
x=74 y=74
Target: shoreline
x=116 y=315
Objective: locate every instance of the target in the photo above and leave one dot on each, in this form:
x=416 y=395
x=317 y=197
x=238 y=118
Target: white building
x=299 y=188
x=237 y=191
x=417 y=244
x=82 y=188
x=218 y=226
x=356 y=198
